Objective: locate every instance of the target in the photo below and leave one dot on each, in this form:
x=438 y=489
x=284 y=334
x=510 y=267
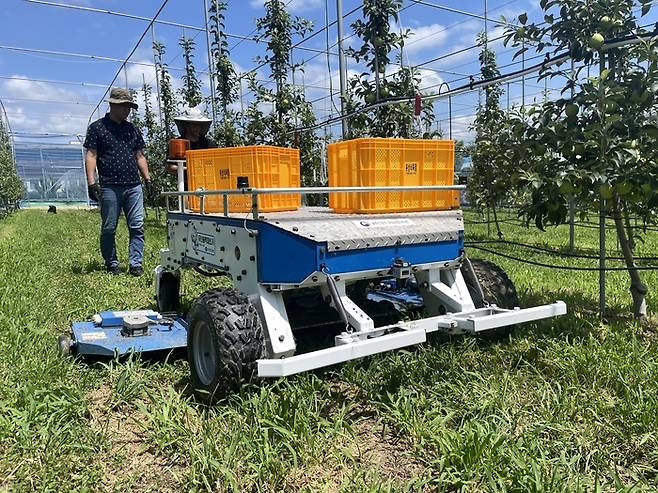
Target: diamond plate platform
x=357 y=231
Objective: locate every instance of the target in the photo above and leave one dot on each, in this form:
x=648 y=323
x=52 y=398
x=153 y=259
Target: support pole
x=601 y=203
x=342 y=68
x=157 y=74
x=211 y=64
x=450 y=117
x=572 y=200
x=602 y=259
x=523 y=78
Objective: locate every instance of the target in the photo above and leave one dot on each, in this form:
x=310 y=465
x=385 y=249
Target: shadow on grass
x=88 y=267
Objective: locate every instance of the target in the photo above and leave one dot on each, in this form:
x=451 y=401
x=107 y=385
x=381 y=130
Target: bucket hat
x=119 y=95
x=192 y=115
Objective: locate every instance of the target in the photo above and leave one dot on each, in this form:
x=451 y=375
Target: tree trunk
x=638 y=288
x=500 y=233
x=630 y=233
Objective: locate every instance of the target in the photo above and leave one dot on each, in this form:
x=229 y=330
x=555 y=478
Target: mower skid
x=493 y=317
x=359 y=344
x=339 y=354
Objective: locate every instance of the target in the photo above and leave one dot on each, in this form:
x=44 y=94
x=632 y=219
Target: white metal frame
x=409 y=334
x=201 y=241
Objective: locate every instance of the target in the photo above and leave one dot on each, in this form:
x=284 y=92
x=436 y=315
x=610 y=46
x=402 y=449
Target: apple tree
x=597 y=142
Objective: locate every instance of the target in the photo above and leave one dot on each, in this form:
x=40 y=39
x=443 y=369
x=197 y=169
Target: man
x=193 y=126
x=115 y=148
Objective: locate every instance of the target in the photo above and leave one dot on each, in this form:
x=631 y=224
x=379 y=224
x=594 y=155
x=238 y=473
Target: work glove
x=94 y=192
x=151 y=192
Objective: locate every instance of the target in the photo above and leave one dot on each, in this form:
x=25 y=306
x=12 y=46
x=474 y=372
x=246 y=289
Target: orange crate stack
x=266 y=167
x=371 y=162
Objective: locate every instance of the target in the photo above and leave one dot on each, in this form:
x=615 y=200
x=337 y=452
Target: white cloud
x=430 y=81
x=21 y=87
x=461 y=128
x=60 y=114
x=423 y=37
x=137 y=74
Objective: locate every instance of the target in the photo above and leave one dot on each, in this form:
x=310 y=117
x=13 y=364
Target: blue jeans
x=114 y=199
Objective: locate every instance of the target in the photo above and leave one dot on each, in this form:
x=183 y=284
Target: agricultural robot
x=307 y=288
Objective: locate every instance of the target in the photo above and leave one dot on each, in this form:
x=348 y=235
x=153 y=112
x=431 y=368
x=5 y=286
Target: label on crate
x=383 y=223
x=202 y=243
x=411 y=168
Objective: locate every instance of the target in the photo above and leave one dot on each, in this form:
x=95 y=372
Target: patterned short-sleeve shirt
x=116 y=145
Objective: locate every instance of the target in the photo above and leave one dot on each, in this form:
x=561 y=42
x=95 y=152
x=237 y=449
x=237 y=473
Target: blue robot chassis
x=270 y=255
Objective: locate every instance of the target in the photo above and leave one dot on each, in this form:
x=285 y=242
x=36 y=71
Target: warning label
x=383 y=223
x=93 y=336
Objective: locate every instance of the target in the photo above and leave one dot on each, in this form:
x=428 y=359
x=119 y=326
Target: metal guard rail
x=255 y=192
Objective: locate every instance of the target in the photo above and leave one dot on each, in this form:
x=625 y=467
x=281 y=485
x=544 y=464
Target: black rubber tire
x=497 y=288
x=168 y=296
x=224 y=342
x=65 y=345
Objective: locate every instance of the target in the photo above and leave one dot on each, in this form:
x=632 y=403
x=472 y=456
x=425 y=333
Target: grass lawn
x=565 y=405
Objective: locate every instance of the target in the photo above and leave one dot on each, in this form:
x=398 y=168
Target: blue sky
x=33 y=25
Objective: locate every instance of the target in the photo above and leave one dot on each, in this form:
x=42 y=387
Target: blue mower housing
x=116 y=333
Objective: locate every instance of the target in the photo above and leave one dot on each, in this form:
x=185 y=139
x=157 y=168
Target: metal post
x=486 y=33
x=602 y=258
x=450 y=117
x=157 y=75
x=125 y=74
x=292 y=76
x=601 y=204
x=342 y=68
x=211 y=64
x=572 y=214
x=523 y=77
x=572 y=200
x=180 y=172
x=241 y=96
x=254 y=206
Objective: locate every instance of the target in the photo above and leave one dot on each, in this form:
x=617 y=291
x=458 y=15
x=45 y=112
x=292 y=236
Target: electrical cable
x=564 y=267
x=480 y=84
x=164 y=3
x=326 y=23
x=552 y=252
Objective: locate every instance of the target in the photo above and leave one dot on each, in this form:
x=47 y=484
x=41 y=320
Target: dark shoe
x=136 y=270
x=114 y=270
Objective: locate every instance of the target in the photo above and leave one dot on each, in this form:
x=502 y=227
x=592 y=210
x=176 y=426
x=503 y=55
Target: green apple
x=596 y=41
x=566 y=188
x=606 y=22
x=571 y=109
x=623 y=188
x=606 y=191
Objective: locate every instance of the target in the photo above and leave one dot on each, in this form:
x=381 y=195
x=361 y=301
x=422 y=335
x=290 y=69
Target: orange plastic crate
x=266 y=167
x=373 y=162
